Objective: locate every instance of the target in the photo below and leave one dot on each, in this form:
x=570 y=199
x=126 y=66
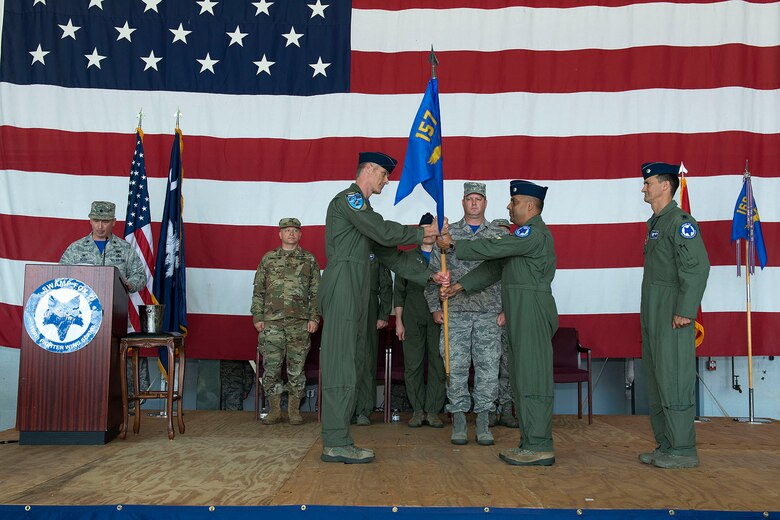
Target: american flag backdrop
x=279 y=97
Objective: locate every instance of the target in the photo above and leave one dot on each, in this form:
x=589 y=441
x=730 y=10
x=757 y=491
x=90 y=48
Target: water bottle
x=395 y=416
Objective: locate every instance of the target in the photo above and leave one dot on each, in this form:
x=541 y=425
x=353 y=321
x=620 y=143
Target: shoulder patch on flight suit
x=688 y=230
x=523 y=231
x=355 y=200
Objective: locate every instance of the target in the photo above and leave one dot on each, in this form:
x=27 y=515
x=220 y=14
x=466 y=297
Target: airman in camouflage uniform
x=379 y=306
x=475 y=336
x=284 y=311
x=236 y=378
x=101 y=247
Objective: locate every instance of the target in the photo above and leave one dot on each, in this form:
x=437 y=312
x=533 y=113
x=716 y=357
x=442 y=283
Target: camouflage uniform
x=285 y=298
x=504 y=382
x=474 y=335
x=379 y=307
x=236 y=379
x=117 y=252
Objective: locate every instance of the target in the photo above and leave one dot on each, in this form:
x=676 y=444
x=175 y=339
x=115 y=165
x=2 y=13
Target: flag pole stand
x=751 y=418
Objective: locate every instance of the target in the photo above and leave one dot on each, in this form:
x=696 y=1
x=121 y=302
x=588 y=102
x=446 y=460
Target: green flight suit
x=526 y=267
x=675 y=275
x=422 y=339
x=352 y=231
x=379 y=307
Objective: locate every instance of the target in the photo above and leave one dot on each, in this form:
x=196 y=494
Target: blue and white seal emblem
x=355 y=200
x=523 y=231
x=63 y=315
x=687 y=230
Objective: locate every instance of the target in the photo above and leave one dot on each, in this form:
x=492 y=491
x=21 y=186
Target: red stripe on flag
x=307 y=160
x=588 y=70
x=577 y=246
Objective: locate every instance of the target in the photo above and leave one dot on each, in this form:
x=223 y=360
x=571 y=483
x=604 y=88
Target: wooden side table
x=173 y=342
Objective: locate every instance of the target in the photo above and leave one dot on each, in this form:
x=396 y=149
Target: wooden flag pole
x=445 y=306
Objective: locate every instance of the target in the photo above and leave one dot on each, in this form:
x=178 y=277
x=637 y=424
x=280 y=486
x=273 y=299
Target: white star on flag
x=264 y=65
x=151 y=61
x=69 y=30
x=98 y=3
x=179 y=34
x=206 y=5
x=319 y=67
x=237 y=37
x=94 y=58
x=151 y=5
x=318 y=9
x=262 y=7
x=39 y=53
x=124 y=32
x=207 y=63
x=35 y=2
x=292 y=38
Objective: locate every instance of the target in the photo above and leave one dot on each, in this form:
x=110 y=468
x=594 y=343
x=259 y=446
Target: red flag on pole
x=685 y=204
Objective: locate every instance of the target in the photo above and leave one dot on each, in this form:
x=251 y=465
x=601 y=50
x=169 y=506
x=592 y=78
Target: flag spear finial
x=434 y=63
x=140 y=117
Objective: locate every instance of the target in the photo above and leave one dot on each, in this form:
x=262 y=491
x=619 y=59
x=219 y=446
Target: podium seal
x=63 y=315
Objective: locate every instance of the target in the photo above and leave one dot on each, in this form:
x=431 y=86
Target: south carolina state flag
x=423 y=163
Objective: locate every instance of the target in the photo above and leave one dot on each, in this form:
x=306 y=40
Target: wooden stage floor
x=226 y=458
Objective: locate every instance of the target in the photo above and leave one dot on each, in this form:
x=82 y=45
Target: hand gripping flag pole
x=747 y=225
x=423 y=165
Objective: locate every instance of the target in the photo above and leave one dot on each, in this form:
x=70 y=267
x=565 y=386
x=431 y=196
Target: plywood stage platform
x=226 y=458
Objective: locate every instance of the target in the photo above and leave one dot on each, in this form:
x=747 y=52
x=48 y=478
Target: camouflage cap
x=102 y=210
x=289 y=222
x=502 y=222
x=474 y=187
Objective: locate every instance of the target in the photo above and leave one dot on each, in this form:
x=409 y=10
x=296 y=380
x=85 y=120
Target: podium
x=69 y=389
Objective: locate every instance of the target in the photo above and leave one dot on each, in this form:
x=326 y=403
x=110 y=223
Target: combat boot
x=459 y=429
x=521 y=457
x=508 y=420
x=293 y=411
x=274 y=414
x=649 y=457
x=670 y=461
x=484 y=437
x=416 y=420
x=347 y=454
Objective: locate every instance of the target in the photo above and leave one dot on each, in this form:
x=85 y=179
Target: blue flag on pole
x=170 y=286
x=423 y=163
x=740 y=227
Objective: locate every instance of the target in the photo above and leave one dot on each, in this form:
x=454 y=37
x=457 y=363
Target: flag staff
x=750 y=266
x=445 y=307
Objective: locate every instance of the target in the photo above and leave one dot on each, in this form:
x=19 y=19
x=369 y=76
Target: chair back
x=564 y=343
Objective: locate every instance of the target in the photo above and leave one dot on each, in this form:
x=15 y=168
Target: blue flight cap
x=426 y=219
x=659 y=168
x=382 y=159
x=527 y=188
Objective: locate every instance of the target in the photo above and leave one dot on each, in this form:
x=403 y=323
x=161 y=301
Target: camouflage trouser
x=279 y=337
x=474 y=337
x=236 y=379
x=504 y=380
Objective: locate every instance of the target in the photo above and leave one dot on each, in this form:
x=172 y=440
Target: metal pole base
x=755 y=420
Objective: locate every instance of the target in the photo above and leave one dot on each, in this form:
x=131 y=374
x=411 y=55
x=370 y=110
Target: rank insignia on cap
x=523 y=231
x=355 y=200
x=688 y=230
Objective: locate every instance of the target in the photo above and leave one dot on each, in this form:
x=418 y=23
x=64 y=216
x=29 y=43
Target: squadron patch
x=654 y=235
x=523 y=231
x=355 y=200
x=688 y=230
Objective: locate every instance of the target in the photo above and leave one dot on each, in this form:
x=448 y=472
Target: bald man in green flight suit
x=525 y=263
x=675 y=276
x=352 y=231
